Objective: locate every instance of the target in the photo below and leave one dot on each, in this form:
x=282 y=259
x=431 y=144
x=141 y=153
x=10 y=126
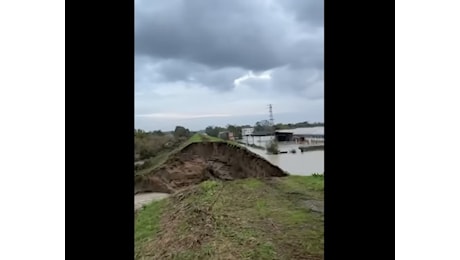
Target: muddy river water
x=298 y=163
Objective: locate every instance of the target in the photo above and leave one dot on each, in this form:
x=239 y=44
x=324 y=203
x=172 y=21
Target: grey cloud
x=256 y=35
x=291 y=81
x=210 y=43
x=308 y=11
x=221 y=79
x=297 y=79
x=174 y=70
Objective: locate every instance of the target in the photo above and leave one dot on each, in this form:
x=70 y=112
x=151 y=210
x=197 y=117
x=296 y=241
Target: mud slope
x=202 y=161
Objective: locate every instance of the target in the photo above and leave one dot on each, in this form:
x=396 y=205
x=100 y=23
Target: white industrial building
x=247 y=131
x=304 y=134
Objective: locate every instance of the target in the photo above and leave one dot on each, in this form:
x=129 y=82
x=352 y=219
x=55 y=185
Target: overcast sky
x=213 y=62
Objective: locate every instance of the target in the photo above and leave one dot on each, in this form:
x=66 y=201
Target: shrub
x=272 y=147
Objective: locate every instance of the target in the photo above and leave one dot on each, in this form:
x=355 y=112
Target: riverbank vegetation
x=272 y=147
x=150 y=148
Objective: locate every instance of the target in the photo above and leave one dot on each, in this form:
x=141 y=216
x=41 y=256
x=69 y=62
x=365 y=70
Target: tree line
x=148 y=144
x=145 y=140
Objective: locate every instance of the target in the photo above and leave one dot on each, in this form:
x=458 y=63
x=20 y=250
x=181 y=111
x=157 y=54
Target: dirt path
x=145 y=198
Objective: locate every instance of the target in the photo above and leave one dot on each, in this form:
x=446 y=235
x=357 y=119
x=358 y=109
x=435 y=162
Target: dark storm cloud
x=254 y=35
x=175 y=70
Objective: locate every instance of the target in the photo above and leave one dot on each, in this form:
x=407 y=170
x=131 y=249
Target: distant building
x=226 y=136
x=251 y=136
x=247 y=131
x=304 y=134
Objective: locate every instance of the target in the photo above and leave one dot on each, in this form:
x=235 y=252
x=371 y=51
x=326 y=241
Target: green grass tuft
x=147 y=222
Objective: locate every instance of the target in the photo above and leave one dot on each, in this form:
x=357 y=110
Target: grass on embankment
x=244 y=219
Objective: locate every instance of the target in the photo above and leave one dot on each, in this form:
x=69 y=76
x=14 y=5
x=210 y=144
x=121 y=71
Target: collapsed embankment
x=202 y=161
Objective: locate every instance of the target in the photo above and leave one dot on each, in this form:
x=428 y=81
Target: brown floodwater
x=298 y=163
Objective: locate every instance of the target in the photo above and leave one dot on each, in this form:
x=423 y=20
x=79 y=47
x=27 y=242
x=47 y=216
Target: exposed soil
x=202 y=161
